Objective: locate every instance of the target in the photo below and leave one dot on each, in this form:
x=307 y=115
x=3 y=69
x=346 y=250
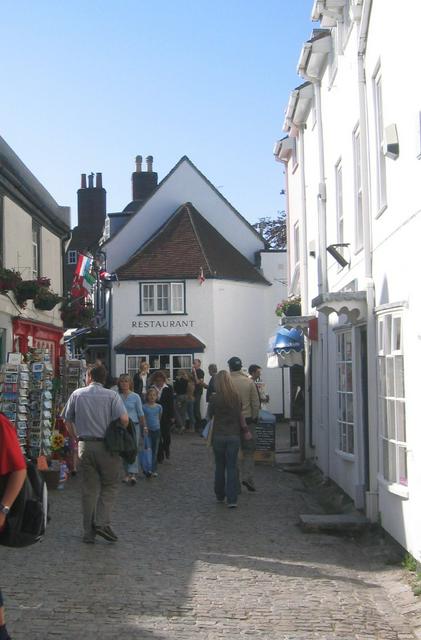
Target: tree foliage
x=273 y=230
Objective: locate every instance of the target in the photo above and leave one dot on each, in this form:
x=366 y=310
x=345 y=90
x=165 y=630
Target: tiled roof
x=183 y=246
x=157 y=343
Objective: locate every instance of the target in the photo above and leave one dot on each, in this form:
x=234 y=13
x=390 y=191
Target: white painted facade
x=365 y=89
x=228 y=317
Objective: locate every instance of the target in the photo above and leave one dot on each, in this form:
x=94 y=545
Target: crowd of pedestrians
x=157 y=410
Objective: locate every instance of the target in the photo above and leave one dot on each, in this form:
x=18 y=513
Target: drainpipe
x=372 y=497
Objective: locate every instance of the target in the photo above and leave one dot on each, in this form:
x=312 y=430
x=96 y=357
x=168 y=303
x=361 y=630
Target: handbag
x=145 y=456
x=207 y=432
x=121 y=440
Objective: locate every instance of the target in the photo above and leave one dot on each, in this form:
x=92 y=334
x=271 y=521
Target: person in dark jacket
x=140 y=380
x=212 y=370
x=180 y=390
x=165 y=397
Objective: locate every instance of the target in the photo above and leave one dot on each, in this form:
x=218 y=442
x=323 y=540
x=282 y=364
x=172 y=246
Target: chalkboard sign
x=265 y=437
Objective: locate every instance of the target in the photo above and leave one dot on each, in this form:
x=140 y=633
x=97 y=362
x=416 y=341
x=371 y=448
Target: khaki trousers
x=100 y=476
x=248 y=447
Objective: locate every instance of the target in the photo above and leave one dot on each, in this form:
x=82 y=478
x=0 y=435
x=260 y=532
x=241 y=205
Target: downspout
x=308 y=431
x=372 y=497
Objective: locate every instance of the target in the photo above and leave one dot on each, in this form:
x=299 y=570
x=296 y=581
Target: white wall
x=184 y=185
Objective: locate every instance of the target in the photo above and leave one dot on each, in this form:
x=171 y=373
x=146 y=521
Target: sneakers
x=249 y=486
x=107 y=533
x=132 y=481
x=233 y=505
x=154 y=474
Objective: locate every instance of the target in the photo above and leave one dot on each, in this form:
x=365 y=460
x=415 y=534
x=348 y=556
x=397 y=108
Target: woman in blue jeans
x=225 y=409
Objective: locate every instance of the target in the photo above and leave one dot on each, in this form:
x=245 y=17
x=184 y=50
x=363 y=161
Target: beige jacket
x=248 y=394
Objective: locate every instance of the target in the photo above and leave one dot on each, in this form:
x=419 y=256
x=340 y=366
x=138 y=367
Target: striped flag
x=83 y=266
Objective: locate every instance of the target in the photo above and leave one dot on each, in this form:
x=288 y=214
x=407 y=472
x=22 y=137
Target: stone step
x=341 y=523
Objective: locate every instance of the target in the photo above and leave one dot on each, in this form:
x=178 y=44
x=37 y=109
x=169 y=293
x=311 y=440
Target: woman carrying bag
x=225 y=409
x=133 y=405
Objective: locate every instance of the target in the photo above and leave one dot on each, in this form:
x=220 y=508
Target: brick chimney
x=91 y=205
x=143 y=182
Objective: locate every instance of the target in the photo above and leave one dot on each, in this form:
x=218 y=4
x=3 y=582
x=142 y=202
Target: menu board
x=265 y=437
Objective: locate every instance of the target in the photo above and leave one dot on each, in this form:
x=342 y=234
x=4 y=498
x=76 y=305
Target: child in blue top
x=153 y=412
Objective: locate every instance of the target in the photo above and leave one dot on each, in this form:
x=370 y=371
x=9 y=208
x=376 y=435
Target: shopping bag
x=145 y=456
x=207 y=432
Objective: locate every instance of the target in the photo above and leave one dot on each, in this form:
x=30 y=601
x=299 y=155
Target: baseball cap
x=235 y=363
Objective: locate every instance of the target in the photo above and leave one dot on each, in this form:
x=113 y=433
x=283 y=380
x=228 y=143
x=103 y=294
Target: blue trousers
x=225 y=449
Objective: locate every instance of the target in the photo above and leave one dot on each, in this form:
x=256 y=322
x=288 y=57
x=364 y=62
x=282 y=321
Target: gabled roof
x=183 y=246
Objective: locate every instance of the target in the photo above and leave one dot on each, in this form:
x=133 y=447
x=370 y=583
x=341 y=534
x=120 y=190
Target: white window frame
x=36 y=249
x=345 y=393
x=170 y=362
x=153 y=303
x=339 y=197
x=297 y=243
x=358 y=190
x=381 y=193
x=391 y=400
x=72 y=257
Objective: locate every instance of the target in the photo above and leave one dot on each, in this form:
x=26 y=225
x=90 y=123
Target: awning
x=185 y=344
x=287 y=345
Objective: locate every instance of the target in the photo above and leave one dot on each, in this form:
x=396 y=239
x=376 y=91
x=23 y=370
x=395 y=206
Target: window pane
x=349 y=408
x=392 y=462
x=382 y=375
x=397 y=334
x=390 y=377
x=386 y=472
x=350 y=439
x=348 y=346
x=391 y=428
x=403 y=470
x=349 y=377
x=400 y=421
x=399 y=377
x=148 y=302
x=387 y=334
x=382 y=417
x=177 y=297
x=162 y=297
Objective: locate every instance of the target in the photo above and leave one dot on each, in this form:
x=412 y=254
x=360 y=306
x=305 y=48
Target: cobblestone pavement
x=187 y=567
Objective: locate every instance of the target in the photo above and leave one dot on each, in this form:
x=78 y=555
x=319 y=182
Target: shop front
x=38 y=335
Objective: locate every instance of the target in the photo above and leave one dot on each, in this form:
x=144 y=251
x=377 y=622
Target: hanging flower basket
x=9 y=280
x=46 y=300
x=77 y=315
x=26 y=290
x=289 y=307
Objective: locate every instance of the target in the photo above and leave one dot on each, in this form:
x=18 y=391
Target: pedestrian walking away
x=134 y=408
x=88 y=413
x=225 y=410
x=212 y=370
x=12 y=465
x=250 y=405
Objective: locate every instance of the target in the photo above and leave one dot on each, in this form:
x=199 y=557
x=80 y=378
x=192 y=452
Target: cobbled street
x=187 y=567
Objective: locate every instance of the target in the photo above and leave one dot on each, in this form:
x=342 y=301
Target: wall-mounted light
x=333 y=250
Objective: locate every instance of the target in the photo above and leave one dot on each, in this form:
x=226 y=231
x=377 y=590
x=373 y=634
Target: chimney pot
x=99 y=180
x=91 y=181
x=149 y=161
x=83 y=181
x=138 y=164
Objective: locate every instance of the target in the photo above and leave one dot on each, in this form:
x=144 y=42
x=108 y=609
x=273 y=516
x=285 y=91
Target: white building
x=33 y=230
x=352 y=154
x=161 y=310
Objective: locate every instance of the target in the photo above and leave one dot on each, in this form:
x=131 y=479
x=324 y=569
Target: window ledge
x=395 y=488
x=349 y=457
x=381 y=211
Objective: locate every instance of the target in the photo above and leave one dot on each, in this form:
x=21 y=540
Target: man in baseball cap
x=250 y=403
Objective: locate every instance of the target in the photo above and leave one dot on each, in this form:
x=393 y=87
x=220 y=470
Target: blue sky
x=86 y=86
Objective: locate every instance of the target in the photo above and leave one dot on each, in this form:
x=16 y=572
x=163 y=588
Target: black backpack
x=27 y=519
x=121 y=440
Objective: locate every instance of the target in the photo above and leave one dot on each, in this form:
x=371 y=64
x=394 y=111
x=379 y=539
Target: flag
x=201 y=277
x=83 y=266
